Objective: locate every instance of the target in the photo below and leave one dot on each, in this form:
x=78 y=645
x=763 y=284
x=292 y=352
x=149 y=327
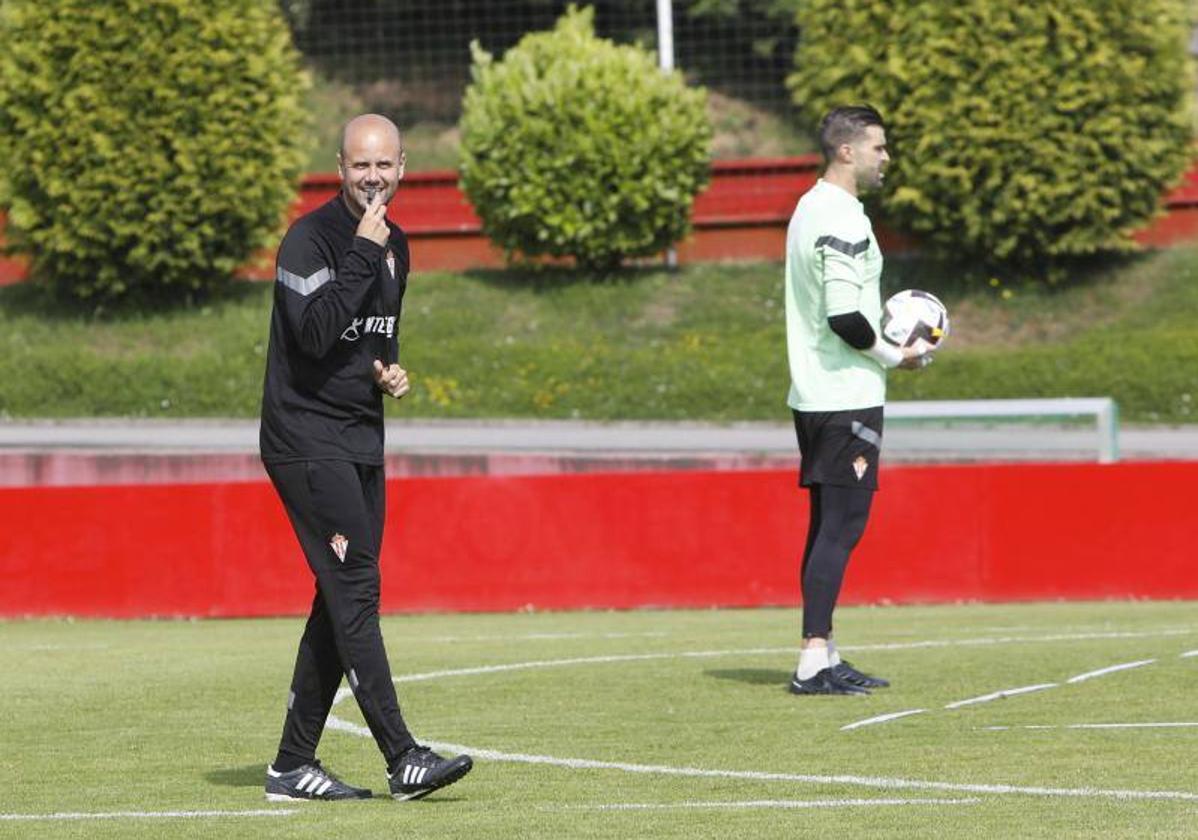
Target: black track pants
x=336 y=509
x=837 y=521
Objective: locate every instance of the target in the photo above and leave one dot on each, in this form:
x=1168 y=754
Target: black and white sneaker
x=309 y=782
x=845 y=672
x=823 y=682
x=421 y=771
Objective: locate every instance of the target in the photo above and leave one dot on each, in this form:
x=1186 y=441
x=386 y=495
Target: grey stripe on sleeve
x=852 y=249
x=867 y=434
x=304 y=285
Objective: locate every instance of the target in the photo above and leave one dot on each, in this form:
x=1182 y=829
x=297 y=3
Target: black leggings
x=336 y=508
x=837 y=521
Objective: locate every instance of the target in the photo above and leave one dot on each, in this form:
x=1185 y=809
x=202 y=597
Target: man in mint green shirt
x=838 y=363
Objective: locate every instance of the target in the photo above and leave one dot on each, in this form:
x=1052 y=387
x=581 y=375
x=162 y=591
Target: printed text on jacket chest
x=370 y=325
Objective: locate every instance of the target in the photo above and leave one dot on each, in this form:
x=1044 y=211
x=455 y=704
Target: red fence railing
x=742 y=215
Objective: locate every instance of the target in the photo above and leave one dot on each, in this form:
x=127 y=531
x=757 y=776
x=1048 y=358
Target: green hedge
x=575 y=147
x=146 y=146
x=1023 y=132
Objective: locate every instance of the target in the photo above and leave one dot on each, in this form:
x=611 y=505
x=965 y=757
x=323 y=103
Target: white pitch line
x=1189 y=653
x=998 y=695
x=1110 y=669
x=585 y=660
x=1005 y=640
x=1029 y=726
x=1161 y=725
x=535 y=637
x=335 y=722
x=758 y=803
x=1007 y=692
x=859 y=781
x=765 y=651
x=146 y=815
x=881 y=719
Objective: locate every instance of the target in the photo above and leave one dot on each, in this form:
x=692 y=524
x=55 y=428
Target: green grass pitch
x=643 y=724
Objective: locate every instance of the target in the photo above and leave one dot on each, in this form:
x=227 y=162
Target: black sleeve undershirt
x=854 y=329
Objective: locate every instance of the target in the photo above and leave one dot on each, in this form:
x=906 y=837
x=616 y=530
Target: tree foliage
x=1023 y=132
x=573 y=146
x=146 y=146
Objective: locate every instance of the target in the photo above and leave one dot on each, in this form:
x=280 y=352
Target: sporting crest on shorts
x=860 y=466
x=340 y=545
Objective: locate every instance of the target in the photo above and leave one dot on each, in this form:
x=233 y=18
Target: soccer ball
x=912 y=318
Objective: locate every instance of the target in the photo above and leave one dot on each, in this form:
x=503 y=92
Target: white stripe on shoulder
x=304 y=285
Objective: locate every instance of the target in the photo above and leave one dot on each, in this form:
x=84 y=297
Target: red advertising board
x=683 y=538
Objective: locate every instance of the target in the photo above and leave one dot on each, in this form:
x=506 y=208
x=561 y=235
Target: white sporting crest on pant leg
x=860 y=466
x=340 y=545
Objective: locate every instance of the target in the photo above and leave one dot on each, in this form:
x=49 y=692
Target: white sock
x=812 y=660
x=833 y=655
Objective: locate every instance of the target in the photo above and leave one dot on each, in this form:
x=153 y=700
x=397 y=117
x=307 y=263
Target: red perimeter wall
x=631 y=539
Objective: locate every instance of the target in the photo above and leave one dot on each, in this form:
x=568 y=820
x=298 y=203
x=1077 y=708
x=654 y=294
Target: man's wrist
x=885 y=353
x=367 y=245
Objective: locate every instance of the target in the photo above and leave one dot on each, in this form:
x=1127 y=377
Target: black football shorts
x=839 y=447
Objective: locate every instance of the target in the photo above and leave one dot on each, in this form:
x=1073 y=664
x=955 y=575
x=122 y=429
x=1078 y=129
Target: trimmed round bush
x=147 y=147
x=1023 y=133
x=573 y=146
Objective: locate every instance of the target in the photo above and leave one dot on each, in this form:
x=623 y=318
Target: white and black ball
x=914 y=318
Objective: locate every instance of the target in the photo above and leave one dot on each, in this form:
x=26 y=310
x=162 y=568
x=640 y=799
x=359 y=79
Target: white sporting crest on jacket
x=860 y=466
x=340 y=545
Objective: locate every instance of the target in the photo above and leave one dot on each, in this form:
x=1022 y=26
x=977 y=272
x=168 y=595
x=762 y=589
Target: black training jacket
x=337 y=302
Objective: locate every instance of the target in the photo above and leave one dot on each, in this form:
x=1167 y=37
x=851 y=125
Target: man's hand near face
x=373 y=225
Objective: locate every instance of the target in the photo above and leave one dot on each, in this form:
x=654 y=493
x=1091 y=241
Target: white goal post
x=1103 y=409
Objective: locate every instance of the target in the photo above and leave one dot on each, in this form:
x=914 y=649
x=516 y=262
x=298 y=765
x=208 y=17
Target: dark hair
x=844 y=125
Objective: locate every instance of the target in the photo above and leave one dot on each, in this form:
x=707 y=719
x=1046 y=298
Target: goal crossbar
x=1104 y=410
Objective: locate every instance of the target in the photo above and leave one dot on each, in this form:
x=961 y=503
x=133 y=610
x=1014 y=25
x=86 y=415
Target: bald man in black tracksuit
x=340 y=279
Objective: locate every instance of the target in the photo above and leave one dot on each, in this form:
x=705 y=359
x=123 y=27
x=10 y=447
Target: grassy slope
x=1127 y=331
x=706 y=343
x=155 y=716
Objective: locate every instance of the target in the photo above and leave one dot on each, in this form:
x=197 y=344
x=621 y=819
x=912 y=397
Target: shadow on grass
x=38 y=301
x=250 y=775
x=752 y=676
x=253 y=776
